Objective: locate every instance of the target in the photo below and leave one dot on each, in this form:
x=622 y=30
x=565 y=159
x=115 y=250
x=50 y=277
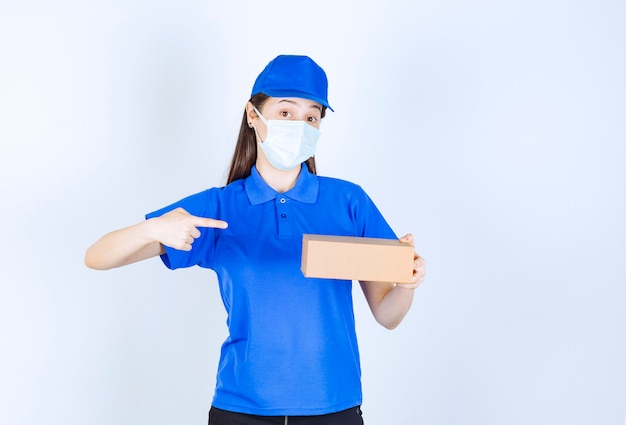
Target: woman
x=291 y=355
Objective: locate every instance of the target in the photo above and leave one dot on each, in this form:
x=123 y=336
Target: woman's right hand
x=178 y=229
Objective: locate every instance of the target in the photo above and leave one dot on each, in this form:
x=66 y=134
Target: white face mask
x=288 y=143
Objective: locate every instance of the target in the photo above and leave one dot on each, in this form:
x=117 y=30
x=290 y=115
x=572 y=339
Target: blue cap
x=293 y=76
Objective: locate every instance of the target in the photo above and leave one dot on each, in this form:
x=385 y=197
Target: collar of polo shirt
x=305 y=190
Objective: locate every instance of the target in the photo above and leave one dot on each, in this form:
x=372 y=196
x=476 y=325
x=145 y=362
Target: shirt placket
x=284 y=216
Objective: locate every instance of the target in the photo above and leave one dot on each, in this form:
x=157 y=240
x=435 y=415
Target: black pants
x=350 y=416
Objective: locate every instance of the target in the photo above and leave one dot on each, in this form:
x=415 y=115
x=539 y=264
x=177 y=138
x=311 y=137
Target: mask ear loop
x=259 y=114
x=262 y=119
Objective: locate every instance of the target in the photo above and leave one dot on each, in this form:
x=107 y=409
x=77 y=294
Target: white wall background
x=493 y=130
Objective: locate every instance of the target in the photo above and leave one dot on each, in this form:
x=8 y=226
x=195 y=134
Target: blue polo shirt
x=292 y=346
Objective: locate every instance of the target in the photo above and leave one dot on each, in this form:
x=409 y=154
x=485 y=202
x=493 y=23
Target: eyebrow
x=296 y=103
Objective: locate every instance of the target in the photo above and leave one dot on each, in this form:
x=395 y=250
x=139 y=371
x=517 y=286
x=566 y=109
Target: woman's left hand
x=419 y=266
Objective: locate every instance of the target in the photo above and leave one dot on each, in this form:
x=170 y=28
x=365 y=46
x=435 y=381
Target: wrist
x=149 y=230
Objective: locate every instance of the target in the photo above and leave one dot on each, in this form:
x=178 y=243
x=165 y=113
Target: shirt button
x=283 y=215
x=283 y=200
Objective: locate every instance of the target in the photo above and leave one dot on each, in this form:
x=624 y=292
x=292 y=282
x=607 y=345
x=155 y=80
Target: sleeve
x=369 y=221
x=202 y=205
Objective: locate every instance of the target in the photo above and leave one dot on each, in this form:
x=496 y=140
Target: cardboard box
x=353 y=258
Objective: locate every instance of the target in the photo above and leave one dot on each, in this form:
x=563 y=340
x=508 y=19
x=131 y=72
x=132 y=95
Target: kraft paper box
x=353 y=258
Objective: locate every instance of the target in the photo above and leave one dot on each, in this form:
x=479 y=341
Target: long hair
x=245 y=153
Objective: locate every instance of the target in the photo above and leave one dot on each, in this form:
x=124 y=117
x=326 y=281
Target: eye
x=285 y=114
x=312 y=120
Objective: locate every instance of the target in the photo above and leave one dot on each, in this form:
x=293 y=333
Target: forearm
x=389 y=303
x=394 y=306
x=124 y=246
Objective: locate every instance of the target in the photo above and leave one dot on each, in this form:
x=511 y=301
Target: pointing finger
x=209 y=222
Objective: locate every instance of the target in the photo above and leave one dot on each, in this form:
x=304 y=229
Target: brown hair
x=245 y=153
